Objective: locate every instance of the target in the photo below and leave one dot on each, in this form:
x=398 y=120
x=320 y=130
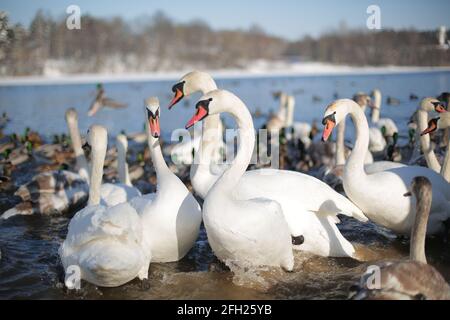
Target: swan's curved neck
x=81 y=162
x=122 y=166
x=282 y=112
x=377 y=108
x=340 y=144
x=159 y=163
x=419 y=230
x=211 y=132
x=425 y=142
x=355 y=163
x=246 y=143
x=98 y=160
x=290 y=109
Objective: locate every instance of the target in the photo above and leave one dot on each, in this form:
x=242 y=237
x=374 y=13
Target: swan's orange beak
x=178 y=91
x=155 y=130
x=438 y=107
x=202 y=112
x=432 y=126
x=329 y=126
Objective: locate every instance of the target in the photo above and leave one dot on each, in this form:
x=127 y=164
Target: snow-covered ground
x=259 y=68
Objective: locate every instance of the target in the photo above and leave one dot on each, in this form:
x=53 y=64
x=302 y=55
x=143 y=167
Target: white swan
x=56 y=191
x=207 y=166
x=310 y=206
x=104 y=244
x=278 y=121
x=242 y=231
x=300 y=130
x=380 y=195
x=171 y=217
x=333 y=175
x=210 y=137
x=112 y=194
x=428 y=105
x=386 y=125
x=442 y=122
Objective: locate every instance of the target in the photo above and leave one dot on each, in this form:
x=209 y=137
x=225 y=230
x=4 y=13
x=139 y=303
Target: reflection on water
x=30 y=267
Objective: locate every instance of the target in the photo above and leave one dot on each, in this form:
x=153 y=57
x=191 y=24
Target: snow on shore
x=260 y=68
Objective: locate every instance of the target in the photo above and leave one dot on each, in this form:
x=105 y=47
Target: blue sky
x=288 y=18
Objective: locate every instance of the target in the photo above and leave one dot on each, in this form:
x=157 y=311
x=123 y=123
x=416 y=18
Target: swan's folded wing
x=96 y=222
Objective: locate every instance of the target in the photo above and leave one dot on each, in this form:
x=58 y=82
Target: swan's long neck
x=282 y=112
x=81 y=162
x=98 y=160
x=419 y=230
x=159 y=163
x=211 y=133
x=244 y=121
x=340 y=144
x=355 y=163
x=377 y=107
x=122 y=167
x=290 y=109
x=446 y=166
x=425 y=142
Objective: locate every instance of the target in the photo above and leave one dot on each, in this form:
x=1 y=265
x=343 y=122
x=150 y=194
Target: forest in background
x=158 y=43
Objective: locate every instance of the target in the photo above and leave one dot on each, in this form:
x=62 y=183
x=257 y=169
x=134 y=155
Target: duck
x=58 y=191
x=442 y=122
x=105 y=245
x=243 y=232
x=395 y=212
x=102 y=101
x=171 y=217
x=412 y=279
x=309 y=206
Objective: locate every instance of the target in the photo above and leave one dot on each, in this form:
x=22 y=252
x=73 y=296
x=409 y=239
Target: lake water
x=42 y=107
x=29 y=264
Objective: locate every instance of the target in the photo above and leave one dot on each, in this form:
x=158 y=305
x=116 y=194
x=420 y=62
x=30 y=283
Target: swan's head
x=334 y=114
x=122 y=141
x=419 y=187
x=97 y=137
x=71 y=116
x=214 y=102
x=191 y=83
x=441 y=122
x=152 y=113
x=432 y=104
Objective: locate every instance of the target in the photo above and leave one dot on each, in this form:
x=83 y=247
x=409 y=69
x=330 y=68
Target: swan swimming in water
x=171 y=217
x=105 y=244
x=310 y=206
x=395 y=212
x=413 y=279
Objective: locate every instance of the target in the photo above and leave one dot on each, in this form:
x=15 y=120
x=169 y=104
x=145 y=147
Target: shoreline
x=256 y=71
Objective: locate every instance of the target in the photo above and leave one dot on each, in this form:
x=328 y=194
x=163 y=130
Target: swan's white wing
x=114 y=194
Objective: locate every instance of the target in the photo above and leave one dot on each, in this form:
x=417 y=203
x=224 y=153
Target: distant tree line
x=157 y=43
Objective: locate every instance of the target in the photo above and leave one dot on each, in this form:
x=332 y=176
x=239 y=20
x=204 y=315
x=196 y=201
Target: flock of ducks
x=252 y=217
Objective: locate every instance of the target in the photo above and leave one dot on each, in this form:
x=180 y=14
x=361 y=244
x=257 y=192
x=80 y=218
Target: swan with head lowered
x=105 y=244
x=442 y=122
x=413 y=279
x=56 y=192
x=309 y=206
x=171 y=217
x=394 y=212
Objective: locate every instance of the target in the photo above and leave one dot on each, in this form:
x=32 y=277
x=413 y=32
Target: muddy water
x=30 y=268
